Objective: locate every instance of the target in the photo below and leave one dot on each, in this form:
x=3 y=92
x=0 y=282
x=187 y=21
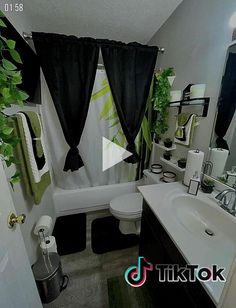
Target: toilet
x=128 y=208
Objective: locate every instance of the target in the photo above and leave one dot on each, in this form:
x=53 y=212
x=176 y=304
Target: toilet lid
x=129 y=203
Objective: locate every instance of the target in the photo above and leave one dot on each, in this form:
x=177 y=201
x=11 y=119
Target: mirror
x=221 y=164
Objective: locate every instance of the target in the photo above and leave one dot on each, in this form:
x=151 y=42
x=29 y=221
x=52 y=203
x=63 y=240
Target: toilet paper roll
x=218 y=158
x=193 y=165
x=50 y=244
x=44 y=223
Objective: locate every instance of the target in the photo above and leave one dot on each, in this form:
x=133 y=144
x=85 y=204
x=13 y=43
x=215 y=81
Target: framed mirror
x=221 y=163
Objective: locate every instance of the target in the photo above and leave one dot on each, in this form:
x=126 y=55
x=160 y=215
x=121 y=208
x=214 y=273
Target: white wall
x=22 y=203
x=196 y=37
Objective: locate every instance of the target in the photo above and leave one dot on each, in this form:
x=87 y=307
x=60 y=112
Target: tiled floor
x=88 y=273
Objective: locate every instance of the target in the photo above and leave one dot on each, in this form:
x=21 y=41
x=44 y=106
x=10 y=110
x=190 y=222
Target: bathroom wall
x=196 y=37
x=22 y=203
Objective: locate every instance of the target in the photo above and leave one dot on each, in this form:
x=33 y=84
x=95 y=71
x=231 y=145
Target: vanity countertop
x=194 y=244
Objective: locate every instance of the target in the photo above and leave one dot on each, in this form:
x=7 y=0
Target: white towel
x=37 y=174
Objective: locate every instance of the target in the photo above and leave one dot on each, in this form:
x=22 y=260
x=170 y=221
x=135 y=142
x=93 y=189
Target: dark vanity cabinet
x=158 y=248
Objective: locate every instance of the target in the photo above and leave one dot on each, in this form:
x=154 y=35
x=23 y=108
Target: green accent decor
x=109 y=113
x=161 y=100
x=32 y=189
x=10 y=78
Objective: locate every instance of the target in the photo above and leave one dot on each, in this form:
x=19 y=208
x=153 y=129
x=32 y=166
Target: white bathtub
x=89 y=199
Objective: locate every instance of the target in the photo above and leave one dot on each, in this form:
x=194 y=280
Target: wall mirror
x=221 y=163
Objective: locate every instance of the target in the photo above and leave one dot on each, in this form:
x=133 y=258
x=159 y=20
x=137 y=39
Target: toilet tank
x=151 y=178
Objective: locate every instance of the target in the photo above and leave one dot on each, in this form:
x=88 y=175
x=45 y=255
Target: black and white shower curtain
x=102 y=121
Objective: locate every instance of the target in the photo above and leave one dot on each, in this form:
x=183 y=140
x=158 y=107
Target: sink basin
x=203 y=218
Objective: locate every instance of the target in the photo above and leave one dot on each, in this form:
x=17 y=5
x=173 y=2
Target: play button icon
x=112 y=154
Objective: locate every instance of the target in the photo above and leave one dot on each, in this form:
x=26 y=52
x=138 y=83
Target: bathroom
x=102 y=214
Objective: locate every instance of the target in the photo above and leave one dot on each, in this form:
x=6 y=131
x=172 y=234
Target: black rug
x=70 y=233
x=106 y=236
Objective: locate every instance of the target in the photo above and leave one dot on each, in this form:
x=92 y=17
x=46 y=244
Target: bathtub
x=90 y=198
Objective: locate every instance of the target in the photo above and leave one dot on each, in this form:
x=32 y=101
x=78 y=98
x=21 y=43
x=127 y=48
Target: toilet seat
x=128 y=205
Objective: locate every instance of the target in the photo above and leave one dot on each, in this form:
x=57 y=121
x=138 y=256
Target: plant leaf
x=108 y=105
x=6 y=93
x=10 y=44
x=115 y=123
x=7 y=130
x=112 y=116
x=3 y=77
x=20 y=103
x=116 y=141
x=146 y=132
x=123 y=138
x=8 y=65
x=2 y=24
x=7 y=150
x=15 y=56
x=21 y=95
x=17 y=174
x=14 y=180
x=105 y=82
x=100 y=93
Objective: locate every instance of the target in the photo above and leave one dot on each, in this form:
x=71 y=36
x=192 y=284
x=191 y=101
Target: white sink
x=204 y=218
x=203 y=232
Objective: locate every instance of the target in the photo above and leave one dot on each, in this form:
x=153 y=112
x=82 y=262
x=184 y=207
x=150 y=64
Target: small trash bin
x=49 y=277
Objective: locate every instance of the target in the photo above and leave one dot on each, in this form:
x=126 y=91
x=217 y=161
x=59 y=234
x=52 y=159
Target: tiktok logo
x=136 y=275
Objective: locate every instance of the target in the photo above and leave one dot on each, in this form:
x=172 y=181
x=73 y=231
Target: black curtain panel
x=145 y=151
x=129 y=69
x=227 y=102
x=69 y=65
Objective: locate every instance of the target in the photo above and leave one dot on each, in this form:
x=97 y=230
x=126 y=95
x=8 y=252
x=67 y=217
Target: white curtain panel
x=102 y=121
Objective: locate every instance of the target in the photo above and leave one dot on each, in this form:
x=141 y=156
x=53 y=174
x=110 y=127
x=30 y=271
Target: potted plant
x=10 y=79
x=207 y=186
x=171 y=78
x=168 y=143
x=161 y=101
x=222 y=179
x=182 y=162
x=167 y=155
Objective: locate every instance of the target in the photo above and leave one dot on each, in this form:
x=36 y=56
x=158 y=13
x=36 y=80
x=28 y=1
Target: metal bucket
x=49 y=277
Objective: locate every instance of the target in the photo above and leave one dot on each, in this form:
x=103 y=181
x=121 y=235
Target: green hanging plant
x=161 y=101
x=10 y=78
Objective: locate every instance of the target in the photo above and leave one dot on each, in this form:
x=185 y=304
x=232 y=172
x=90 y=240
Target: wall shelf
x=204 y=101
x=175 y=166
x=161 y=146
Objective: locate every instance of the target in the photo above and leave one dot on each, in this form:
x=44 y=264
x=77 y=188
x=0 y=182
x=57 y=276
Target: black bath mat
x=106 y=236
x=70 y=233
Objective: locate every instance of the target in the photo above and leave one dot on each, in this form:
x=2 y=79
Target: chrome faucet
x=228 y=203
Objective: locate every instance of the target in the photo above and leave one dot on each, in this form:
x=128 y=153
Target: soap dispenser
x=194 y=184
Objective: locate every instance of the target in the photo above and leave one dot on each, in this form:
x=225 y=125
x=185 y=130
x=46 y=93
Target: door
x=17 y=285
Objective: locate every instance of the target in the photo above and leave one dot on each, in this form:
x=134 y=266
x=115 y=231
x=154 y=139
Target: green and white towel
x=35 y=179
x=185 y=126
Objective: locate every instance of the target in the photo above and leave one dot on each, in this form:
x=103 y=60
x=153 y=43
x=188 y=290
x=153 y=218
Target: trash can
x=49 y=277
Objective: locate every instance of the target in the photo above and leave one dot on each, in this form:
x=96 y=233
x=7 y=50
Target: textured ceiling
x=126 y=20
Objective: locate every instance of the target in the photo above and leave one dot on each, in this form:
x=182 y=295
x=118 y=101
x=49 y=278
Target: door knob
x=13 y=219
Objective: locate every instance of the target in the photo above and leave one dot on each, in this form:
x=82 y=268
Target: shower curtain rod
x=28 y=36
